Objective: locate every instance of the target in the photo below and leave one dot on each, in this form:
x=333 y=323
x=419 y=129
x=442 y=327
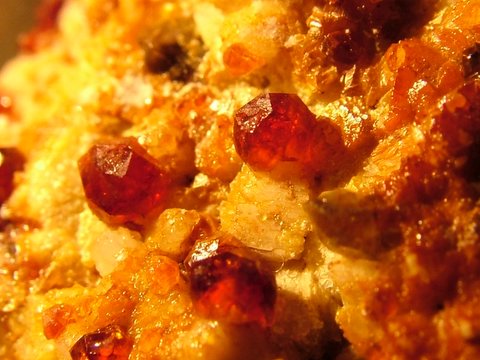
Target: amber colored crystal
x=108 y=343
x=278 y=127
x=11 y=160
x=233 y=288
x=56 y=318
x=122 y=183
x=240 y=61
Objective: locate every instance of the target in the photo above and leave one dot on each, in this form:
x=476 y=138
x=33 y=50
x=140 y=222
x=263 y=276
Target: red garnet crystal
x=122 y=183
x=108 y=343
x=11 y=160
x=233 y=288
x=275 y=128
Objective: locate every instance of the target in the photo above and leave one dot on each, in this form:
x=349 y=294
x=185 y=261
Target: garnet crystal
x=277 y=127
x=108 y=343
x=11 y=160
x=233 y=288
x=122 y=183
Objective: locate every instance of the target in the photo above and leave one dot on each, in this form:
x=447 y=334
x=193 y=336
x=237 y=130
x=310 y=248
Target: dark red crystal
x=233 y=288
x=122 y=183
x=108 y=343
x=278 y=127
x=11 y=160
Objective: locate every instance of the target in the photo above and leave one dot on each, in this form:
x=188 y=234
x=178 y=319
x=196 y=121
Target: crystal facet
x=230 y=287
x=122 y=183
x=277 y=127
x=108 y=343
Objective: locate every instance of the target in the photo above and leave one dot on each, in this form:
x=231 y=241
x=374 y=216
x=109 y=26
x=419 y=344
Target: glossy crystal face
x=109 y=343
x=278 y=127
x=233 y=288
x=122 y=183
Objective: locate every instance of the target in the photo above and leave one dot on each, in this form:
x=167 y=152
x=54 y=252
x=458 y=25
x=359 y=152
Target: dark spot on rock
x=471 y=61
x=168 y=58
